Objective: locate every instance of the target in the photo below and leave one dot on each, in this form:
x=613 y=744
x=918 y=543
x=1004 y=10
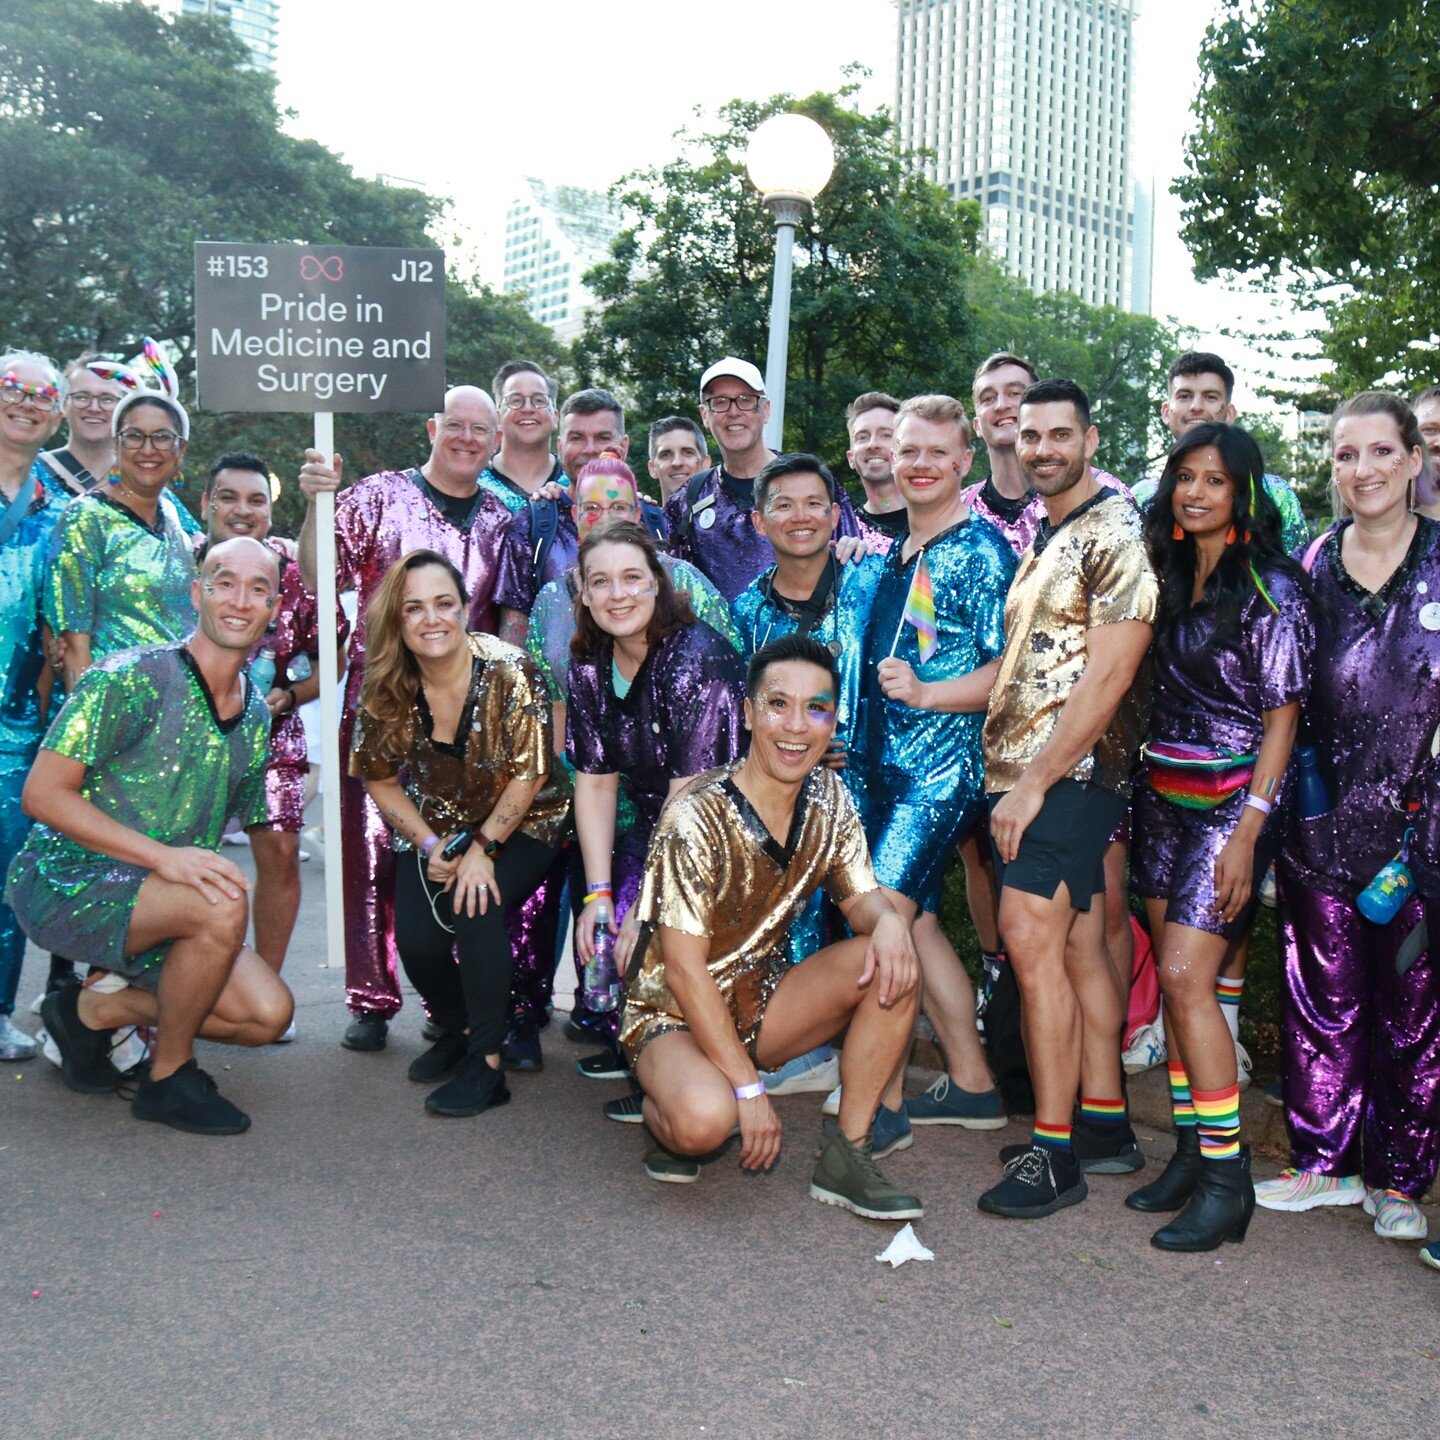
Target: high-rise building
x=1025 y=108
x=553 y=235
x=256 y=22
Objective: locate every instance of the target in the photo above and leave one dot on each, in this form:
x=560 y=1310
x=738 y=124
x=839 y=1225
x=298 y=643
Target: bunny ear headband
x=148 y=376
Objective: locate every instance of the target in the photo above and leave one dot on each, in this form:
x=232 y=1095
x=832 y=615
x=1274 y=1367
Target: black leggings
x=476 y=992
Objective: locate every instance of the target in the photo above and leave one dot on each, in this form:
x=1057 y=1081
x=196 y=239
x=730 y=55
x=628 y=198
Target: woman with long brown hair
x=655 y=697
x=476 y=825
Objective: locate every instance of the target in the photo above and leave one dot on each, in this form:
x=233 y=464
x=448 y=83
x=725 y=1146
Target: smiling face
x=432 y=615
x=584 y=438
x=872 y=438
x=997 y=405
x=29 y=415
x=90 y=405
x=1204 y=502
x=527 y=414
x=1053 y=448
x=1427 y=415
x=238 y=504
x=601 y=499
x=148 y=448
x=678 y=455
x=618 y=589
x=235 y=593
x=462 y=436
x=931 y=461
x=799 y=517
x=1372 y=468
x=736 y=431
x=1195 y=400
x=791 y=720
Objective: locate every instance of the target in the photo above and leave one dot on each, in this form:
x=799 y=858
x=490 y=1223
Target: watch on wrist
x=494 y=849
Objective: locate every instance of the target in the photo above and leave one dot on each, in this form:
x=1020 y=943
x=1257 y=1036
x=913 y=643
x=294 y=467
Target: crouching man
x=711 y=999
x=131 y=790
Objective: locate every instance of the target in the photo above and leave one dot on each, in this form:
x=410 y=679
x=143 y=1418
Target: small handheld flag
x=920 y=612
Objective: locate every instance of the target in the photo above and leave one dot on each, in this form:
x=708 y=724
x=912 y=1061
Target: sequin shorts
x=285 y=794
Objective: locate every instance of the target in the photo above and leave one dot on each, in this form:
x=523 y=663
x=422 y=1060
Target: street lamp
x=789 y=160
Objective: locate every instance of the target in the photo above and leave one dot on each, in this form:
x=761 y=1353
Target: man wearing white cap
x=710 y=524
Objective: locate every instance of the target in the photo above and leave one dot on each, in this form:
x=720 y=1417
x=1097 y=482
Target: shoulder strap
x=654 y=520
x=19 y=507
x=693 y=487
x=544 y=526
x=1307 y=563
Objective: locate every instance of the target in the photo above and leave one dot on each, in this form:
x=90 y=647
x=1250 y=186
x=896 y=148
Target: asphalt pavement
x=353 y=1267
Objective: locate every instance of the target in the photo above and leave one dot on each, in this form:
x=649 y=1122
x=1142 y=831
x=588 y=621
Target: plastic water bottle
x=1312 y=799
x=300 y=668
x=1380 y=901
x=262 y=672
x=602 y=979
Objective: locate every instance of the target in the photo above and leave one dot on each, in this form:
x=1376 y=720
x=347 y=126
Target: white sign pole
x=330 y=758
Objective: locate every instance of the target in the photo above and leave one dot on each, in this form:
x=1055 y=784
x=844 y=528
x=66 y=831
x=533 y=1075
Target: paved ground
x=353 y=1267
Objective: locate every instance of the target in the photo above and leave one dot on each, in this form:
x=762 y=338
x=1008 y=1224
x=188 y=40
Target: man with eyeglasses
x=524 y=396
x=710 y=519
x=31 y=393
x=440 y=505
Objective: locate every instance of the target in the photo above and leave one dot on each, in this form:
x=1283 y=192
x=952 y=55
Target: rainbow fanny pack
x=1194 y=776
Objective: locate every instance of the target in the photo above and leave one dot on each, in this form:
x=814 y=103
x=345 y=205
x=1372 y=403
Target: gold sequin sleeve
x=524 y=718
x=685 y=871
x=366 y=761
x=1122 y=584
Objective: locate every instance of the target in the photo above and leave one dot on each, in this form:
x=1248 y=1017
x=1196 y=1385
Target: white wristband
x=750 y=1092
x=1259 y=803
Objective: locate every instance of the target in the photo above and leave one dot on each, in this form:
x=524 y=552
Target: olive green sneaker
x=666 y=1166
x=846 y=1175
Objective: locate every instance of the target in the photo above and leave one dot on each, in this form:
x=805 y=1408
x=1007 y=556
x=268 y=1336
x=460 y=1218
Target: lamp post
x=789 y=160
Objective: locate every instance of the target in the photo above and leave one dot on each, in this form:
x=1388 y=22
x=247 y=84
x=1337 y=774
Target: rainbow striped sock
x=1051 y=1137
x=1217 y=1112
x=1102 y=1114
x=1182 y=1107
x=1228 y=992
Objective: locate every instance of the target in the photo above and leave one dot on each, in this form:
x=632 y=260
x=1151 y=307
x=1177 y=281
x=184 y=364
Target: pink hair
x=608 y=466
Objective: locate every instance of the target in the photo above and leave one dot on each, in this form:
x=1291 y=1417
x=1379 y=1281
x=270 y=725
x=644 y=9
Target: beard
x=1058 y=484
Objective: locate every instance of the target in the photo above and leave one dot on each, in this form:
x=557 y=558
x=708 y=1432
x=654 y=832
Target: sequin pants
x=14 y=826
x=371 y=982
x=534 y=928
x=1361 y=1043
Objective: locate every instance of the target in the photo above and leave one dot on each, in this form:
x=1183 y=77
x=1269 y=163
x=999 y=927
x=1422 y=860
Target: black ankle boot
x=1177 y=1180
x=1219 y=1210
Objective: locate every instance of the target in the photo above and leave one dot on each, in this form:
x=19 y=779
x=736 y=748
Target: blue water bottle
x=1312 y=799
x=262 y=672
x=1380 y=901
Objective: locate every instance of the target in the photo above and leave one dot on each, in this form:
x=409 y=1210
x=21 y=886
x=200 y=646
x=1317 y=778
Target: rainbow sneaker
x=1295 y=1189
x=1397 y=1216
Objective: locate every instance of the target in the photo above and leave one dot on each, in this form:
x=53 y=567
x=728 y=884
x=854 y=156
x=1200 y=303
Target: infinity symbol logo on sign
x=313 y=268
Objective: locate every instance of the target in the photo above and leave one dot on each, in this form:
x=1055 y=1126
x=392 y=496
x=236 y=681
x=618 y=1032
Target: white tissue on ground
x=905 y=1246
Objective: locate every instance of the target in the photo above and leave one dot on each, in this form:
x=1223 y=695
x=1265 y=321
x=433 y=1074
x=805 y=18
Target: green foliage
x=128 y=137
x=1315 y=164
x=878 y=298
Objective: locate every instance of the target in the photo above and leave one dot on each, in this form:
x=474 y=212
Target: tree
x=879 y=286
x=1315 y=164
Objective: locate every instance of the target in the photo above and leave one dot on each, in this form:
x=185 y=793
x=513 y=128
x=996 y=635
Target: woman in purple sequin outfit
x=656 y=697
x=1362 y=1039
x=1234 y=647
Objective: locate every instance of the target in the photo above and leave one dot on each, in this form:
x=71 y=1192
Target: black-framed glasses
x=94 y=402
x=723 y=404
x=134 y=441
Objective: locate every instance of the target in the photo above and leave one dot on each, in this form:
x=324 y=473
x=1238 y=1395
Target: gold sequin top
x=1092 y=570
x=715 y=871
x=503 y=735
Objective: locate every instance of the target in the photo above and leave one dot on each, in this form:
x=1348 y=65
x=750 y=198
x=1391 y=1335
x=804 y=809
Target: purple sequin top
x=1215 y=697
x=387 y=515
x=721 y=541
x=682 y=715
x=1372 y=714
x=518 y=584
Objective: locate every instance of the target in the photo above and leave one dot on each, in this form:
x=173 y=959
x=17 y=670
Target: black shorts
x=1064 y=844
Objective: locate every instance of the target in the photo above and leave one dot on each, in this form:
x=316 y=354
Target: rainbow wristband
x=597 y=892
x=750 y=1092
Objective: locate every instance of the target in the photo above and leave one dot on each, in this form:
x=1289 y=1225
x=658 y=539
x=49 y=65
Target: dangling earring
x=179 y=480
x=1177 y=533
x=1230 y=536
x=113 y=478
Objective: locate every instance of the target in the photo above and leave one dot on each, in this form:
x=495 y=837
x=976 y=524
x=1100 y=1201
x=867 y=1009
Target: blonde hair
x=939 y=410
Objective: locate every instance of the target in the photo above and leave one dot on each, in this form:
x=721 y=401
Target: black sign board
x=352 y=329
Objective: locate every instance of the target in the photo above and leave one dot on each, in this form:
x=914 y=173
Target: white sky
x=580 y=93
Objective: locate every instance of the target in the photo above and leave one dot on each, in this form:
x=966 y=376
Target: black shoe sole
x=1073 y=1196
x=521 y=1067
x=583 y=1034
x=1125 y=1163
x=620 y=1074
x=101 y=1078
x=160 y=1118
x=500 y=1096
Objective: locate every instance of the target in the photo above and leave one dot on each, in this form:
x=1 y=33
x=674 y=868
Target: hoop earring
x=1177 y=533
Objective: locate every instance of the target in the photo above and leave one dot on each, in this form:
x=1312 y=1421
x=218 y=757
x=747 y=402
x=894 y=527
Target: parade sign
x=306 y=328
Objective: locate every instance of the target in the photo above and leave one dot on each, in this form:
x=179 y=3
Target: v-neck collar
x=1376 y=602
x=223 y=726
x=630 y=700
x=1047 y=532
x=157 y=529
x=467 y=712
x=898 y=550
x=780 y=855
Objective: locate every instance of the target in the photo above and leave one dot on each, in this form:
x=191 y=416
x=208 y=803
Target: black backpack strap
x=544 y=526
x=693 y=487
x=652 y=516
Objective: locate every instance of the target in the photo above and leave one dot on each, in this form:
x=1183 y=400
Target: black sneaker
x=607 y=1065
x=1037 y=1182
x=585 y=1027
x=85 y=1063
x=1099 y=1149
x=628 y=1110
x=521 y=1048
x=439 y=1060
x=189 y=1101
x=366 y=1031
x=430 y=1031
x=473 y=1088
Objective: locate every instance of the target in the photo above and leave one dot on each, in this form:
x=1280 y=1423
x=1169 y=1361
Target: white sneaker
x=817 y=1071
x=1295 y=1189
x=1243 y=1066
x=832 y=1103
x=286 y=1035
x=1269 y=891
x=1147 y=1049
x=1397 y=1217
x=37 y=1002
x=15 y=1044
x=48 y=1048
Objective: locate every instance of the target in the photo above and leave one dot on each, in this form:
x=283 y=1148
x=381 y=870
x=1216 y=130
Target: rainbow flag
x=920 y=611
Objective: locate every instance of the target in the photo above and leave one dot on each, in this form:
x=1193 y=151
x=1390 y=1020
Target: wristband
x=290 y=691
x=750 y=1092
x=1259 y=803
x=428 y=846
x=597 y=892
